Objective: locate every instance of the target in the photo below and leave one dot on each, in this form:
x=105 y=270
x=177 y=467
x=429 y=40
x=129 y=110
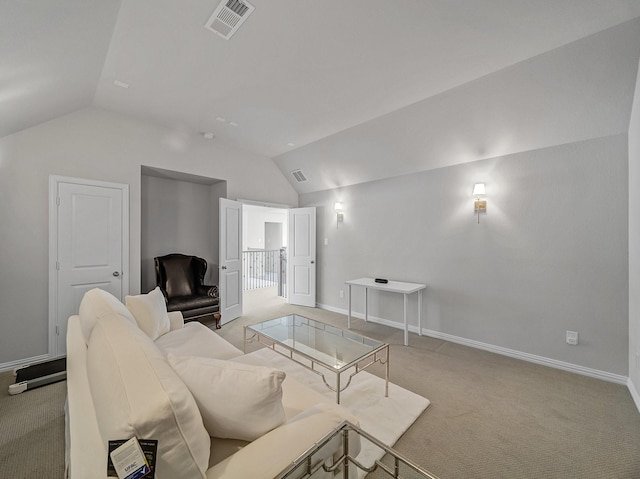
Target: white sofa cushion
x=296 y=397
x=96 y=304
x=237 y=401
x=272 y=453
x=150 y=312
x=137 y=393
x=176 y=320
x=195 y=339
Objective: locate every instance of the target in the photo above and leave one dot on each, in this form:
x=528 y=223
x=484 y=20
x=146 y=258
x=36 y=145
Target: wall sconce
x=479 y=205
x=339 y=213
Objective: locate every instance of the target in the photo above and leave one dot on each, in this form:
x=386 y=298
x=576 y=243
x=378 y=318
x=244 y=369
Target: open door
x=301 y=269
x=230 y=282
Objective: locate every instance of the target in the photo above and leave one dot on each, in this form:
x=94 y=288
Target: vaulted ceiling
x=314 y=84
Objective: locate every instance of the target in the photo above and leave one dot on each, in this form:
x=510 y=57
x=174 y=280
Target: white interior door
x=88 y=247
x=301 y=263
x=230 y=282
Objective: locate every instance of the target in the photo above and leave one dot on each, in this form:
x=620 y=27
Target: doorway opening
x=264 y=256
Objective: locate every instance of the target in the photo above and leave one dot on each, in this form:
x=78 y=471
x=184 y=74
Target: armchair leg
x=217 y=317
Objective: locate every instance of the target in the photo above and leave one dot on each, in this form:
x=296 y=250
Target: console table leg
x=406 y=326
x=349 y=314
x=366 y=304
x=420 y=312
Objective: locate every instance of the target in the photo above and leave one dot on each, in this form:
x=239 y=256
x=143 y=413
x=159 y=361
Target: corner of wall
x=634 y=393
x=634 y=250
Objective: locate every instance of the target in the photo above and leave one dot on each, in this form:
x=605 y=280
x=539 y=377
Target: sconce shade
x=478 y=189
x=338 y=207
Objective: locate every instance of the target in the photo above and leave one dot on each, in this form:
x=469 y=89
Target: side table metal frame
x=306 y=464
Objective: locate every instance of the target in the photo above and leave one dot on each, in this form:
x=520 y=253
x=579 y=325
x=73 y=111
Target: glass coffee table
x=321 y=348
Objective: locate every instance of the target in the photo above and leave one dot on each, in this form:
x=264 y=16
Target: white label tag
x=129 y=461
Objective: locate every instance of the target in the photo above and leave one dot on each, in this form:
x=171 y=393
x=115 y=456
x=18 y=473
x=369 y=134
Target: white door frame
x=54 y=181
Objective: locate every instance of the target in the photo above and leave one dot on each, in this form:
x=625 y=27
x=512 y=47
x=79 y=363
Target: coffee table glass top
x=326 y=344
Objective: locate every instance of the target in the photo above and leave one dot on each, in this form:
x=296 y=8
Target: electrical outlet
x=326 y=241
x=341 y=294
x=572 y=338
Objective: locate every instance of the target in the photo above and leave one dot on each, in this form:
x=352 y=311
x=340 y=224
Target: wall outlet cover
x=572 y=337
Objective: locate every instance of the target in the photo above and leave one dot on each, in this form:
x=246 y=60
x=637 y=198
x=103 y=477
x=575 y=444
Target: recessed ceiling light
x=121 y=84
x=221 y=120
x=208 y=135
x=291 y=144
x=233 y=123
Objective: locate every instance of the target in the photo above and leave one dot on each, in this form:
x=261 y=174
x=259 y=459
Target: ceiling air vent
x=228 y=17
x=299 y=176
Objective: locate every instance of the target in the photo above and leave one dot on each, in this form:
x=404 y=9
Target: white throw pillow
x=237 y=401
x=137 y=393
x=97 y=304
x=150 y=312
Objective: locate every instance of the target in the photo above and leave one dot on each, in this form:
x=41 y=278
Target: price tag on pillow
x=129 y=461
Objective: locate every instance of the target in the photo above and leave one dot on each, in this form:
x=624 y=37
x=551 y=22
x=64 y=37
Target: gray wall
x=253 y=225
x=634 y=247
x=177 y=217
x=101 y=145
x=550 y=255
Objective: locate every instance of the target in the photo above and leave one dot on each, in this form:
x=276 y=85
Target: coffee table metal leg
x=338 y=388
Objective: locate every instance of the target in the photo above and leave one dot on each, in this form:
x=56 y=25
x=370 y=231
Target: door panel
x=302 y=280
x=302 y=257
x=230 y=259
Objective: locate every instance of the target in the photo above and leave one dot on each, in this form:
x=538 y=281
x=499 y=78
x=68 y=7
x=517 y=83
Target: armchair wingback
x=180 y=278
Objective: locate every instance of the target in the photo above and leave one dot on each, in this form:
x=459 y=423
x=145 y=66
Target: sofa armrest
x=86 y=454
x=272 y=453
x=176 y=320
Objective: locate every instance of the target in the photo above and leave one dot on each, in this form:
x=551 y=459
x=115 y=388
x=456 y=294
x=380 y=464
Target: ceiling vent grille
x=299 y=176
x=228 y=16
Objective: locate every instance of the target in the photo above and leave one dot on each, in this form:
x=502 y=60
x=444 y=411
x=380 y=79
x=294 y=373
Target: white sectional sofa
x=139 y=371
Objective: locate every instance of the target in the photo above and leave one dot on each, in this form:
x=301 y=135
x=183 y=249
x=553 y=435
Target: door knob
x=313 y=262
x=224 y=267
x=116 y=273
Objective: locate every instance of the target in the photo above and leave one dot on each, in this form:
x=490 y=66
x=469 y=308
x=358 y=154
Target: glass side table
x=342 y=465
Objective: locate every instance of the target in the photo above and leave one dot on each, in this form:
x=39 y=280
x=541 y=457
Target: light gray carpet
x=490 y=416
x=32 y=431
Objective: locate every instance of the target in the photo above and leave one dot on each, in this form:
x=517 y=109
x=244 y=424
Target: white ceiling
x=297 y=71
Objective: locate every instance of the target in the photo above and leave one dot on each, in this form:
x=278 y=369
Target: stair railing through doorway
x=264 y=268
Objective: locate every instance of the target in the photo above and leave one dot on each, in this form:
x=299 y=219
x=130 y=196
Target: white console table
x=394 y=287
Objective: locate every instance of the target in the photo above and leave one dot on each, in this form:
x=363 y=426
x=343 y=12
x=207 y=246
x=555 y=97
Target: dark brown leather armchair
x=180 y=279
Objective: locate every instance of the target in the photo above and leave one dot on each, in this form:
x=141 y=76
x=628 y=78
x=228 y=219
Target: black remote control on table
x=381 y=280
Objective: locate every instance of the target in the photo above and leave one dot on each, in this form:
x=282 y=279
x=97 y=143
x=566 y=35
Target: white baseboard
x=532 y=358
x=634 y=393
x=23 y=362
